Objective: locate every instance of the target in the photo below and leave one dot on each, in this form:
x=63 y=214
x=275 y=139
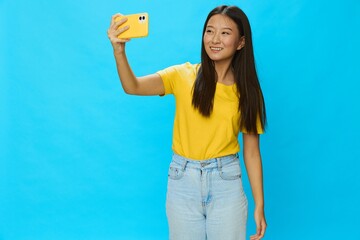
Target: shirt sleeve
x=169 y=76
x=173 y=77
x=259 y=129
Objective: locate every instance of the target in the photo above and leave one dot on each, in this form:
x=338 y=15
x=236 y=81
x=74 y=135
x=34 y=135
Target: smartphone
x=139 y=25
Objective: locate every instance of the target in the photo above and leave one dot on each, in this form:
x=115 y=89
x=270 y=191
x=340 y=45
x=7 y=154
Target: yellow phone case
x=139 y=25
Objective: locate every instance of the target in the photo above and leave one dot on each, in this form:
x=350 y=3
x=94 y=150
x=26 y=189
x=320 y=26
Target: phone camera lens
x=142 y=19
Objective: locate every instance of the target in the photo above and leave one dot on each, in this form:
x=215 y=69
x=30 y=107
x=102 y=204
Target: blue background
x=79 y=159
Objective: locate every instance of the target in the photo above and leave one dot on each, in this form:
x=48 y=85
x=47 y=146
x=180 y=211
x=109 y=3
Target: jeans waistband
x=202 y=164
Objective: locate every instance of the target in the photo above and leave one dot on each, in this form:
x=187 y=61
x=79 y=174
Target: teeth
x=216 y=49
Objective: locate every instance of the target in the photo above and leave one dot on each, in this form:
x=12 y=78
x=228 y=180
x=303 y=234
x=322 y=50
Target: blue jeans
x=205 y=199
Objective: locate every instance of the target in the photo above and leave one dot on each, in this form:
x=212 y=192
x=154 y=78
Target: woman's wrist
x=119 y=53
x=259 y=206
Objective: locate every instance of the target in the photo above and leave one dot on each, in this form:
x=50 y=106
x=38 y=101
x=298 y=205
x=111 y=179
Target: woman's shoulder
x=187 y=67
x=184 y=70
x=189 y=64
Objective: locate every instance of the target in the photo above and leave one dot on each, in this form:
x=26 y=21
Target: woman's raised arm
x=147 y=85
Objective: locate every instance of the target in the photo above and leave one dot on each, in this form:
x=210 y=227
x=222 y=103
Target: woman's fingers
x=262 y=229
x=114 y=18
x=117 y=20
x=116 y=30
x=260 y=232
x=119 y=40
x=121 y=30
x=254 y=237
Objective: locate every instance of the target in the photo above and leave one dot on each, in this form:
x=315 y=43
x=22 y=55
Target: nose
x=216 y=39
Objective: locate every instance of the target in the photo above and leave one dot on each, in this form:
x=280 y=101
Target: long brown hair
x=251 y=100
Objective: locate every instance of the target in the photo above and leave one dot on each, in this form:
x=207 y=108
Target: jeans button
x=203 y=164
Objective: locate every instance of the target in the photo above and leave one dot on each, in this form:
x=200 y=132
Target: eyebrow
x=227 y=28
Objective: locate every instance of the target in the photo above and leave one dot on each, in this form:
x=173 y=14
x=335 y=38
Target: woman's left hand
x=260 y=224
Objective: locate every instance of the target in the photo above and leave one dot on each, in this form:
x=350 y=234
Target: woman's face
x=222 y=38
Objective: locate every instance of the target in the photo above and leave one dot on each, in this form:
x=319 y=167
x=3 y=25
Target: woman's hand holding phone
x=115 y=30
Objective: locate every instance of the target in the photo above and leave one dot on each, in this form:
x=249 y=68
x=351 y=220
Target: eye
x=225 y=33
x=208 y=31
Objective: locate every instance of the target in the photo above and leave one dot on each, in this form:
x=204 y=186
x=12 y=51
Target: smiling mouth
x=216 y=48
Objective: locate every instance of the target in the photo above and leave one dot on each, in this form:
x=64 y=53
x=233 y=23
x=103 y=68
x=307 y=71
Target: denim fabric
x=205 y=199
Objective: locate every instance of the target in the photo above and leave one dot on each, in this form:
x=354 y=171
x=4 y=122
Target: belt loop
x=219 y=164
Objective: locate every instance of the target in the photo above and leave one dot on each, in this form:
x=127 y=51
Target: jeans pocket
x=176 y=171
x=231 y=171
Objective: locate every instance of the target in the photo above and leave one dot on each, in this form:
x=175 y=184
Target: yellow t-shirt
x=195 y=136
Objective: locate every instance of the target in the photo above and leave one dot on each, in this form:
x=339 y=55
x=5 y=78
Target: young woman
x=215 y=100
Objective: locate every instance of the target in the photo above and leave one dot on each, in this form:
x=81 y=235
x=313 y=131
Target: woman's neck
x=224 y=72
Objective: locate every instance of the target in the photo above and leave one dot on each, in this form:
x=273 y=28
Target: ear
x=241 y=43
